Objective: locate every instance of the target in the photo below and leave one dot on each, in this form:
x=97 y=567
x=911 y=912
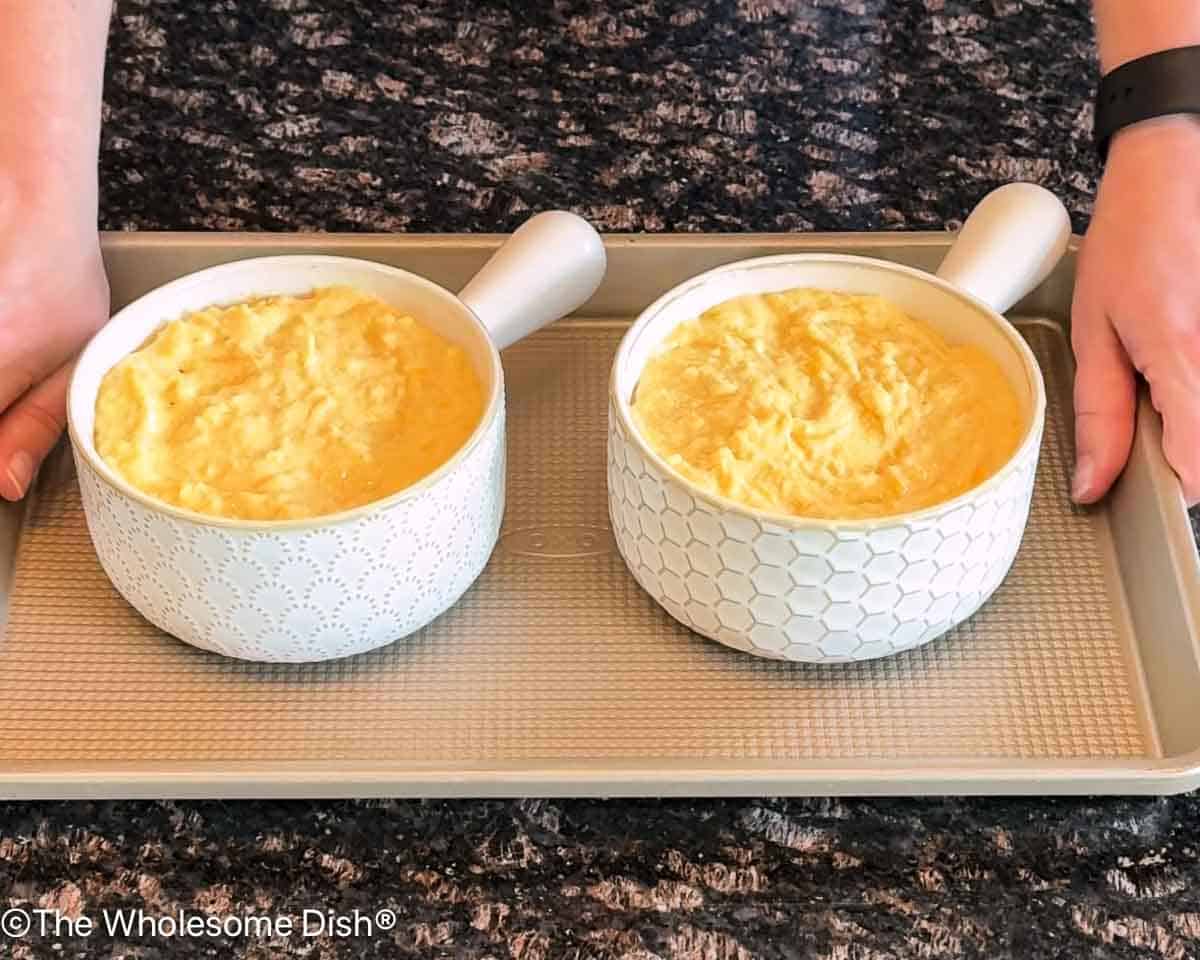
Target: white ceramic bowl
x=345 y=583
x=820 y=590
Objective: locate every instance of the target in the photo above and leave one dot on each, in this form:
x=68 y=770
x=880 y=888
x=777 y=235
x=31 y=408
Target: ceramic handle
x=1009 y=244
x=549 y=267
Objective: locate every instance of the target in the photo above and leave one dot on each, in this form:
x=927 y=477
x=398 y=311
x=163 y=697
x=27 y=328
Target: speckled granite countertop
x=649 y=115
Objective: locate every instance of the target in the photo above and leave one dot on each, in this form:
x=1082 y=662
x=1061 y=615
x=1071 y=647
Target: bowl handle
x=1009 y=244
x=548 y=268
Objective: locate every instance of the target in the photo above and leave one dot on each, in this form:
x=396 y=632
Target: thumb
x=29 y=429
x=1104 y=403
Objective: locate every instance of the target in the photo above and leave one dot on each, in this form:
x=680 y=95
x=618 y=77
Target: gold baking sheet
x=557 y=675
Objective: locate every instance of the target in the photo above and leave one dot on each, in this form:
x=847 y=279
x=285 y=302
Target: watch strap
x=1167 y=82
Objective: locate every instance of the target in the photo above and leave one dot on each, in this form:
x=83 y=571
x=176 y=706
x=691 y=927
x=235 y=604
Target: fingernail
x=20 y=472
x=1081 y=486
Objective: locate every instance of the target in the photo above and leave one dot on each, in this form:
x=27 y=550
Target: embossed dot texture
x=557 y=655
x=305 y=594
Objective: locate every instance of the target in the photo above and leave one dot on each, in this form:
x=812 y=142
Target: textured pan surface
x=557 y=654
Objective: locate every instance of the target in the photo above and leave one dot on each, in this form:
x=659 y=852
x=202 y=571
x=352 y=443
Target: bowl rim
x=492 y=409
x=1030 y=442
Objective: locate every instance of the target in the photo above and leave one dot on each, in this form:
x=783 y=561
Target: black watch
x=1152 y=86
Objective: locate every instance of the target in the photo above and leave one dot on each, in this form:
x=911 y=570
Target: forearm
x=1127 y=29
x=51 y=80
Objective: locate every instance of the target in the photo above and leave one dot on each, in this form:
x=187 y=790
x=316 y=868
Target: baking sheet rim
x=603 y=777
x=312 y=779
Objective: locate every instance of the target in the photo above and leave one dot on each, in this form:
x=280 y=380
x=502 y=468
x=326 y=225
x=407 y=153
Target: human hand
x=53 y=297
x=1137 y=305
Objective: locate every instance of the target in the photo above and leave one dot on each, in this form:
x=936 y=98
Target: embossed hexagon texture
x=812 y=594
x=311 y=592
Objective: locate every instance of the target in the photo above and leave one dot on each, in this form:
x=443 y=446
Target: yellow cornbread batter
x=287 y=407
x=825 y=405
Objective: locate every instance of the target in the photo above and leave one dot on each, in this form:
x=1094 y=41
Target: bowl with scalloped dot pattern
x=336 y=585
x=807 y=590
